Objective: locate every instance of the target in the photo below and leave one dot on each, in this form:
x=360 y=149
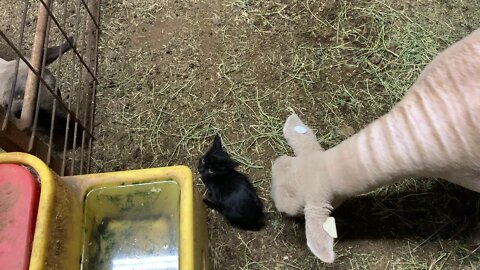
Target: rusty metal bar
x=41 y=80
x=54 y=105
x=64 y=158
x=52 y=121
x=52 y=129
x=77 y=26
x=95 y=22
x=84 y=100
x=66 y=37
x=91 y=58
x=31 y=86
x=65 y=142
x=53 y=117
x=39 y=90
x=80 y=82
x=82 y=153
x=17 y=63
x=94 y=88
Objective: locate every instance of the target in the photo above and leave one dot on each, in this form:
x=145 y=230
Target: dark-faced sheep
x=8 y=80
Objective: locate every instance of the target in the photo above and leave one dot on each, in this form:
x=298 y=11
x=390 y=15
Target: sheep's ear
x=299 y=136
x=54 y=52
x=318 y=240
x=285 y=188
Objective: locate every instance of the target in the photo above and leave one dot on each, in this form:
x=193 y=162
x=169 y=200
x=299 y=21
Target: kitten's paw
x=210 y=204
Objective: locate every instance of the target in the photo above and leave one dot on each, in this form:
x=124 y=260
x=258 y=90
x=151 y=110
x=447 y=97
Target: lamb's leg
x=474 y=240
x=471 y=182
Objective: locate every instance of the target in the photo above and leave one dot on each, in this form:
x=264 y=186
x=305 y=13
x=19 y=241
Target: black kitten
x=229 y=192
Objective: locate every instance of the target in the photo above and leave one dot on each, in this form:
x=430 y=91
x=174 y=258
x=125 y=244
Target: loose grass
x=239 y=68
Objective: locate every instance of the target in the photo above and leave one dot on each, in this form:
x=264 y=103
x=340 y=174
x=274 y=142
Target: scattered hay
x=174 y=73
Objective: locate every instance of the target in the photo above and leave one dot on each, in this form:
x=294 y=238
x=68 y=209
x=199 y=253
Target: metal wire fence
x=48 y=80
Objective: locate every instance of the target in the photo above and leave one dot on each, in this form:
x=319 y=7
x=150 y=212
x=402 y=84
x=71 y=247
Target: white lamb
x=433 y=131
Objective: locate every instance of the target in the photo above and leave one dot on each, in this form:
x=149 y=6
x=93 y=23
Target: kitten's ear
x=318 y=240
x=217 y=142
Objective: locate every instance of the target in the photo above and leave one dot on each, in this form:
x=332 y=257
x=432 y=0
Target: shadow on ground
x=443 y=211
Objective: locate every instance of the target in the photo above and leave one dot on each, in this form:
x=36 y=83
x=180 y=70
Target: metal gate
x=48 y=80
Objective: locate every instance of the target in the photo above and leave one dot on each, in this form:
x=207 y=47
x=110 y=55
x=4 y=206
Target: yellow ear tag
x=330 y=227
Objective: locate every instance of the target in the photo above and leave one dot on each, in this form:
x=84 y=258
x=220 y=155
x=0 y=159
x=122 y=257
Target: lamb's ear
x=299 y=136
x=318 y=240
x=54 y=52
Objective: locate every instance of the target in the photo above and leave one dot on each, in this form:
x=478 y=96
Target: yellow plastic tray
x=57 y=241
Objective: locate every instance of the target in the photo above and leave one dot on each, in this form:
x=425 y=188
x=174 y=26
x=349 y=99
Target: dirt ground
x=174 y=73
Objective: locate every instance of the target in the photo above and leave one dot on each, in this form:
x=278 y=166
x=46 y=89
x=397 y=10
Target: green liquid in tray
x=132 y=227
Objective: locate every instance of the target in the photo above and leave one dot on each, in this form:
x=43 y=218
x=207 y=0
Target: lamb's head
x=300 y=187
x=46 y=99
x=285 y=192
x=7 y=80
x=286 y=175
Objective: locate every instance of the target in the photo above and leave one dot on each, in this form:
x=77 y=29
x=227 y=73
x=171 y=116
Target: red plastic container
x=19 y=194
